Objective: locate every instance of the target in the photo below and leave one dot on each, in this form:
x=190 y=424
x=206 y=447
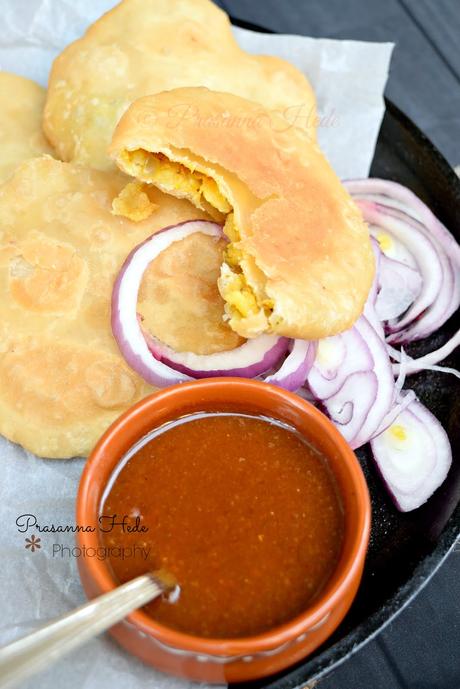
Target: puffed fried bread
x=145 y=46
x=299 y=260
x=21 y=112
x=63 y=379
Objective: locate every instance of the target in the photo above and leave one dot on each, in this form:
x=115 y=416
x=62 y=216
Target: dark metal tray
x=405 y=549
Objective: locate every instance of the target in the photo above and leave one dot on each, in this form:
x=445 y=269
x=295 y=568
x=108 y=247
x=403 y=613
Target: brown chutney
x=240 y=509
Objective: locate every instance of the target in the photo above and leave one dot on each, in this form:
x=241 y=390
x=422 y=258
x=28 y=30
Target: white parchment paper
x=349 y=78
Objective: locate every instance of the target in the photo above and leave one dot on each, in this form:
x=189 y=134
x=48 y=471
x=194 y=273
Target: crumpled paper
x=349 y=78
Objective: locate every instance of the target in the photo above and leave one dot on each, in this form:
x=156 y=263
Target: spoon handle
x=36 y=651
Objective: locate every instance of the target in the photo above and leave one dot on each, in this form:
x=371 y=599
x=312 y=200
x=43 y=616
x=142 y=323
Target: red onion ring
x=428 y=361
x=294 y=371
x=361 y=392
x=125 y=325
x=385 y=383
x=402 y=204
x=389 y=192
x=249 y=360
x=399 y=286
x=423 y=250
x=445 y=304
x=369 y=308
x=413 y=456
x=404 y=401
x=337 y=358
x=402 y=373
x=348 y=407
x=158 y=364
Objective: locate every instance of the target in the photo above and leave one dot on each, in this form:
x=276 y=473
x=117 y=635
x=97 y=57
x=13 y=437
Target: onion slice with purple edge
x=251 y=359
x=349 y=407
x=294 y=370
x=422 y=249
x=429 y=361
x=337 y=358
x=447 y=300
x=391 y=193
x=369 y=308
x=404 y=400
x=413 y=456
x=358 y=404
x=158 y=364
x=385 y=397
x=399 y=286
x=401 y=203
x=125 y=323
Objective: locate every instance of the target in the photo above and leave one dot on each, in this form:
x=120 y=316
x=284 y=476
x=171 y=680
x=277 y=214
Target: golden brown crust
x=145 y=46
x=303 y=242
x=179 y=299
x=63 y=380
x=21 y=110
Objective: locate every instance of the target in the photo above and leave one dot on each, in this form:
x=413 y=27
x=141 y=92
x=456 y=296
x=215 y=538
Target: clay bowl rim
x=105 y=456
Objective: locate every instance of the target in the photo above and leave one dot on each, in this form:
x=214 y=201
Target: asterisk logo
x=33 y=543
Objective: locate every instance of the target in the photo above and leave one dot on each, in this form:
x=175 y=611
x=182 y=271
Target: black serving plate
x=405 y=549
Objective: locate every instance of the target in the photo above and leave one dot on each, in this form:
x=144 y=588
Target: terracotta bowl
x=232 y=660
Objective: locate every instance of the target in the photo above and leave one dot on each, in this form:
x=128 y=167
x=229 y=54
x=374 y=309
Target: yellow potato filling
x=176 y=178
x=133 y=202
x=241 y=299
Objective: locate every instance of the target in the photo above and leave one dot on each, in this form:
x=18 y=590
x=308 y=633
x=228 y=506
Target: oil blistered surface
x=47 y=275
x=63 y=379
x=21 y=111
x=146 y=46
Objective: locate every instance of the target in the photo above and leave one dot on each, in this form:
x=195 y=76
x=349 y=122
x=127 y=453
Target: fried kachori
x=61 y=247
x=145 y=46
x=299 y=262
x=21 y=112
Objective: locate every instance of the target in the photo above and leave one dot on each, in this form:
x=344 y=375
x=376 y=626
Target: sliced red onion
x=369 y=308
x=349 y=407
x=404 y=400
x=392 y=193
x=399 y=285
x=413 y=456
x=125 y=325
x=372 y=296
x=422 y=249
x=293 y=373
x=443 y=369
x=402 y=373
x=336 y=358
x=394 y=249
x=447 y=300
x=331 y=355
x=365 y=352
x=402 y=204
x=428 y=361
x=385 y=383
x=251 y=359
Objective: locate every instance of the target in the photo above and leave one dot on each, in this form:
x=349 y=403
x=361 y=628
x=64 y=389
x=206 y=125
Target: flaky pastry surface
x=145 y=46
x=63 y=379
x=299 y=262
x=21 y=112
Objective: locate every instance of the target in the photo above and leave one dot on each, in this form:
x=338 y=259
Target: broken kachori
x=299 y=261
